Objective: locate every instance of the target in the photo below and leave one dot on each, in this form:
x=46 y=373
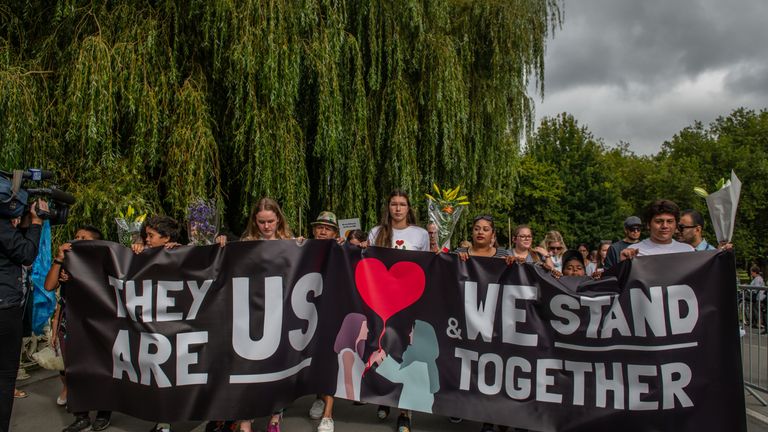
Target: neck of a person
x=481 y=250
x=629 y=240
x=403 y=224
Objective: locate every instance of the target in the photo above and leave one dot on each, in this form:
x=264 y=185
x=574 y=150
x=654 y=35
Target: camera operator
x=18 y=247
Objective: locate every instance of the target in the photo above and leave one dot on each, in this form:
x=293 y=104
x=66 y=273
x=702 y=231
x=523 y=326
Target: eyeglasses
x=634 y=228
x=555 y=248
x=681 y=227
x=524 y=237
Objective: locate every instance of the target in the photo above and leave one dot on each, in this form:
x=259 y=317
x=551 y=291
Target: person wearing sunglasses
x=555 y=246
x=689 y=230
x=633 y=227
x=662 y=217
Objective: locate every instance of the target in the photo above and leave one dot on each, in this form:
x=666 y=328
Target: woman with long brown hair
x=266 y=222
x=398 y=227
x=398 y=230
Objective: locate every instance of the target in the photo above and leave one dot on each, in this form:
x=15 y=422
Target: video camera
x=14 y=200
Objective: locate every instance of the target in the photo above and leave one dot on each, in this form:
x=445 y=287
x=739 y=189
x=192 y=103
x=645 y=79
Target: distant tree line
x=330 y=104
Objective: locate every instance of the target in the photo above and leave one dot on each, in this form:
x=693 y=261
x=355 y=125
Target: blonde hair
x=553 y=236
x=283 y=231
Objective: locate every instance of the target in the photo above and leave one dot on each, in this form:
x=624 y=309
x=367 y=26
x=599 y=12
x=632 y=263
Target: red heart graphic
x=399 y=242
x=388 y=292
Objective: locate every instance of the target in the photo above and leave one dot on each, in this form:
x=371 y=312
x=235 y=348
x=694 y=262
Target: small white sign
x=347 y=225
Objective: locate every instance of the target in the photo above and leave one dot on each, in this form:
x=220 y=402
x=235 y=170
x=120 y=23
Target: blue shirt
x=704 y=246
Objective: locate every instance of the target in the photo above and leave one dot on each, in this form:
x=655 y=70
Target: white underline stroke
x=269 y=377
x=626 y=347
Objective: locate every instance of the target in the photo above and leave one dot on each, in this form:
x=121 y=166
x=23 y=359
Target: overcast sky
x=641 y=70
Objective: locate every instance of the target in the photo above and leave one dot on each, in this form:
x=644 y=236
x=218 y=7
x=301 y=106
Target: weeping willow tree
x=320 y=104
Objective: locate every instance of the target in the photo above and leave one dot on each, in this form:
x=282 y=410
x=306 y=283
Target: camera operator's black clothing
x=10 y=350
x=17 y=248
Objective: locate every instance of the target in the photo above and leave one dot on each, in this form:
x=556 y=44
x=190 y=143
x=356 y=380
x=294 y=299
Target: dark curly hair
x=662 y=206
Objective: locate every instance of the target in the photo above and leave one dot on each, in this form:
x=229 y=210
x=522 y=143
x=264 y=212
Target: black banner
x=199 y=333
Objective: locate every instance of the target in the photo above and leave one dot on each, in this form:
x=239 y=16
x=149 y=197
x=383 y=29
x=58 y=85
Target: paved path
x=39 y=413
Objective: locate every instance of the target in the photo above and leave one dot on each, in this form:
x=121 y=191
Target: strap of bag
x=16 y=182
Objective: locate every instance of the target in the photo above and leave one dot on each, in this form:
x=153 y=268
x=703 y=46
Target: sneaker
x=382 y=412
x=80 y=424
x=316 y=412
x=403 y=424
x=22 y=374
x=161 y=427
x=326 y=425
x=454 y=419
x=100 y=423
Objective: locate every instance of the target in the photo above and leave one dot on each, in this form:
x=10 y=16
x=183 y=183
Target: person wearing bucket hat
x=633 y=226
x=325 y=227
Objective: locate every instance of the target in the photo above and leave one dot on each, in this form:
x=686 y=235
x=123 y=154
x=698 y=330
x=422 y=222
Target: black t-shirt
x=614 y=253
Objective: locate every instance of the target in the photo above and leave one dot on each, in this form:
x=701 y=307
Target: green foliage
x=588 y=197
x=320 y=104
x=330 y=104
x=700 y=156
x=538 y=197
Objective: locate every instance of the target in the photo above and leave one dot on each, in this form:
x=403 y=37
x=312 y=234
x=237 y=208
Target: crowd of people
x=669 y=231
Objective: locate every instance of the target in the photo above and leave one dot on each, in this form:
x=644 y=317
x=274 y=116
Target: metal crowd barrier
x=752 y=304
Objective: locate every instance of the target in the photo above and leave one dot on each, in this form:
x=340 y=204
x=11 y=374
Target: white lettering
x=164 y=302
x=511 y=315
x=184 y=358
x=149 y=362
x=480 y=317
x=241 y=319
x=309 y=283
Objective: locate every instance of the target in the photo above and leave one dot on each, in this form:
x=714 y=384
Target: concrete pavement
x=39 y=412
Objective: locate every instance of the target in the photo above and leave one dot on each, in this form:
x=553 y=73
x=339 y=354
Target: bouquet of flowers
x=202 y=220
x=445 y=209
x=722 y=206
x=129 y=226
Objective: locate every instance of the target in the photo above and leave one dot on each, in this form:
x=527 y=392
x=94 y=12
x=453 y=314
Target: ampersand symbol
x=453 y=330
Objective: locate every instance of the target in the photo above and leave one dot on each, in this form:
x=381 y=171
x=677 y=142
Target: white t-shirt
x=410 y=238
x=649 y=247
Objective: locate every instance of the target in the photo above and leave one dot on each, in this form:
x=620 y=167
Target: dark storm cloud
x=639 y=71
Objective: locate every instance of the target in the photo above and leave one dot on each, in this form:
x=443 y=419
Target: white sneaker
x=326 y=425
x=316 y=412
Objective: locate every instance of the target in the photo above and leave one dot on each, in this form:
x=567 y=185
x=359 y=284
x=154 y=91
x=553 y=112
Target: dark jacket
x=18 y=247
